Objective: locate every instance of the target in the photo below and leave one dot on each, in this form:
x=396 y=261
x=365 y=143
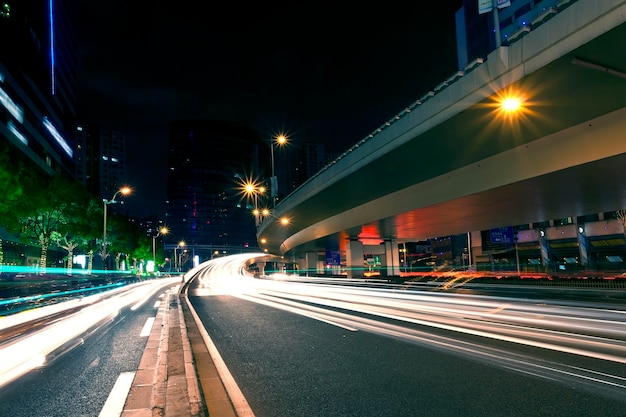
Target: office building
x=101 y=163
x=207 y=213
x=37 y=83
x=477 y=33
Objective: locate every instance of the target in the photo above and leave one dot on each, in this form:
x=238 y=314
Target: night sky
x=320 y=72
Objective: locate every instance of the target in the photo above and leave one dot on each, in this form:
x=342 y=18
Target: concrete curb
x=166 y=383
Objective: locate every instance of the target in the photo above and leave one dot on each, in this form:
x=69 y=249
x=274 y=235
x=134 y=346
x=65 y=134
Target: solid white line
x=114 y=405
x=242 y=408
x=147 y=327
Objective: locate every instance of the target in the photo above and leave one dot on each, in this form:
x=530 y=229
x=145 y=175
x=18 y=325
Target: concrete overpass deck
x=452 y=162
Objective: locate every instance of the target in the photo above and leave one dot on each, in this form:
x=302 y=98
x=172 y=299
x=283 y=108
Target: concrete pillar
x=392 y=258
x=311 y=263
x=582 y=245
x=261 y=266
x=545 y=250
x=354 y=259
x=303 y=269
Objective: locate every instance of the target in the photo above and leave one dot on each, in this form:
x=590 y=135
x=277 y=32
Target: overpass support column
x=582 y=246
x=354 y=258
x=261 y=266
x=392 y=258
x=310 y=267
x=545 y=251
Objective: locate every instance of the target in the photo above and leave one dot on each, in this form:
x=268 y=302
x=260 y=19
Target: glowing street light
x=253 y=190
x=283 y=221
x=279 y=140
x=511 y=104
x=162 y=231
x=123 y=191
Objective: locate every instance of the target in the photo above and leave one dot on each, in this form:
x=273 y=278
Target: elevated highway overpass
x=453 y=162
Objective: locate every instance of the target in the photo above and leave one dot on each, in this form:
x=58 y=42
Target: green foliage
x=56 y=210
x=50 y=210
x=47 y=210
x=143 y=249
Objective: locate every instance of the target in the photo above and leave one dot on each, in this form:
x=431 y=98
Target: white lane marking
x=157 y=304
x=242 y=408
x=114 y=405
x=147 y=327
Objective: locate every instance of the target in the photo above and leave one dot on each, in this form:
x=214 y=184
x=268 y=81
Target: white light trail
x=438 y=320
x=40 y=344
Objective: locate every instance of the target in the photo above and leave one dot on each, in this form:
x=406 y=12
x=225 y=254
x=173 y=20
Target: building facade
x=476 y=32
x=207 y=213
x=101 y=160
x=37 y=82
x=37 y=99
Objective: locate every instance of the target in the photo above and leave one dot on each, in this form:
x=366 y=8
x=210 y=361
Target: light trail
x=64 y=326
x=439 y=320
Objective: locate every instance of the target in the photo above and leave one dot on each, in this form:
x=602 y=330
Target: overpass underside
x=454 y=163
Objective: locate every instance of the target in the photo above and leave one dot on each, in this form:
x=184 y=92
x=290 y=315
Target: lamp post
x=253 y=190
x=279 y=140
x=176 y=261
x=162 y=231
x=123 y=191
x=180 y=260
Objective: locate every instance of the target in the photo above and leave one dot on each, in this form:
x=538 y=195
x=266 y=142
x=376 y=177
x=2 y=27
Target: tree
x=120 y=237
x=143 y=249
x=51 y=210
x=81 y=229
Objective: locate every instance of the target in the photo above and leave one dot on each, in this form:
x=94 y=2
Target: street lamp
x=123 y=191
x=181 y=244
x=162 y=231
x=279 y=140
x=253 y=190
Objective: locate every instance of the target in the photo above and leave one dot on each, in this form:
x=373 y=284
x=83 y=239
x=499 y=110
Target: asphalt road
x=291 y=365
x=79 y=382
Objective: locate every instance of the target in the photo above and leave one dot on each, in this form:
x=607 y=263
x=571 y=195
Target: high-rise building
x=112 y=162
x=37 y=82
x=310 y=159
x=100 y=159
x=206 y=208
x=477 y=33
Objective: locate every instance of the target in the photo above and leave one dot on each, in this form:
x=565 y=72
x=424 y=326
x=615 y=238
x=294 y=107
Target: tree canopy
x=58 y=211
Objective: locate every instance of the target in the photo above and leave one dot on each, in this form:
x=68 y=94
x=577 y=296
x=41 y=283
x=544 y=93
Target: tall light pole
x=162 y=231
x=279 y=140
x=253 y=190
x=123 y=191
x=176 y=261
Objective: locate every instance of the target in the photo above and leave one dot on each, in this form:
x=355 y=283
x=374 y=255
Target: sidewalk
x=167 y=382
